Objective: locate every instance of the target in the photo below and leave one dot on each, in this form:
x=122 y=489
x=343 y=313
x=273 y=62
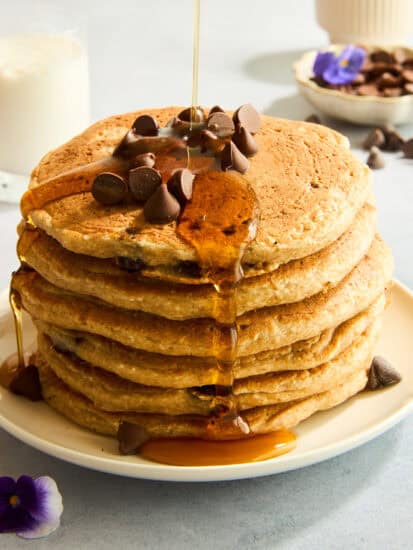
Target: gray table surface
x=140 y=56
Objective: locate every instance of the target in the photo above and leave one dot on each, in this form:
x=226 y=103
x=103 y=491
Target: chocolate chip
x=375 y=159
x=146 y=125
x=185 y=115
x=126 y=147
x=248 y=117
x=388 y=80
x=233 y=159
x=407 y=74
x=209 y=141
x=360 y=78
x=109 y=189
x=162 y=207
x=143 y=182
x=131 y=437
x=146 y=159
x=374 y=139
x=382 y=374
x=381 y=56
x=392 y=92
x=314 y=119
x=216 y=109
x=394 y=140
x=368 y=89
x=180 y=185
x=245 y=142
x=130 y=264
x=400 y=55
x=408 y=88
x=407 y=148
x=220 y=124
x=26 y=382
x=189 y=269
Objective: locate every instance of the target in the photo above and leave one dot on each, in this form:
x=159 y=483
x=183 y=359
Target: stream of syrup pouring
x=219 y=222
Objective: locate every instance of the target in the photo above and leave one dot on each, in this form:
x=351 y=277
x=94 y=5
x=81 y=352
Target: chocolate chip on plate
x=109 y=188
x=407 y=148
x=394 y=140
x=146 y=125
x=26 y=383
x=245 y=142
x=220 y=124
x=248 y=116
x=180 y=184
x=233 y=159
x=375 y=159
x=162 y=206
x=131 y=437
x=314 y=119
x=374 y=139
x=143 y=182
x=382 y=374
x=145 y=159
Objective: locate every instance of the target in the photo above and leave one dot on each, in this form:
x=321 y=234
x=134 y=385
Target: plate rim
x=161 y=472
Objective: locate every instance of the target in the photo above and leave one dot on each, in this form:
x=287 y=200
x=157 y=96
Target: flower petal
x=50 y=504
x=322 y=62
x=15 y=519
x=26 y=491
x=7 y=486
x=39 y=529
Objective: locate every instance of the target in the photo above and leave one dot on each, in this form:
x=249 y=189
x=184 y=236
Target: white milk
x=44 y=96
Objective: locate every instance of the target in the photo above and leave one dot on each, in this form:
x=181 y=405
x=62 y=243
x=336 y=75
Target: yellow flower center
x=344 y=62
x=14 y=500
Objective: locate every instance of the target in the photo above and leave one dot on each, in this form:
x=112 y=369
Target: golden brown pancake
x=308 y=185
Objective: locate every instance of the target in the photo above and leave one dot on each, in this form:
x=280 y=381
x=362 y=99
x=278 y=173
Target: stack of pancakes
x=125 y=316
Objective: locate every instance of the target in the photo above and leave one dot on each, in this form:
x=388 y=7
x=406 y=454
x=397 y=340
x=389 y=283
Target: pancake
x=265 y=329
x=309 y=188
x=260 y=419
x=291 y=282
x=110 y=393
x=152 y=369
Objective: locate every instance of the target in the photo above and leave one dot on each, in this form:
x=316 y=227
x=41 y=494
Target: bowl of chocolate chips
x=367 y=85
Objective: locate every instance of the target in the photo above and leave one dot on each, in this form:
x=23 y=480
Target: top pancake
x=308 y=186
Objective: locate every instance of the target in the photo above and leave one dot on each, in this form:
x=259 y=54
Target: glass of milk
x=44 y=89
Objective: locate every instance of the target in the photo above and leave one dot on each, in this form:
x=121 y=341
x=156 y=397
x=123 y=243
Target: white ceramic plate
x=323 y=436
x=364 y=110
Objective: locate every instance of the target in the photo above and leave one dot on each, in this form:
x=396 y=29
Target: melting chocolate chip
x=245 y=141
x=407 y=149
x=233 y=159
x=382 y=374
x=146 y=125
x=143 y=182
x=131 y=437
x=220 y=124
x=146 y=159
x=126 y=147
x=162 y=206
x=180 y=185
x=315 y=119
x=375 y=159
x=130 y=264
x=26 y=382
x=185 y=115
x=374 y=139
x=109 y=189
x=248 y=116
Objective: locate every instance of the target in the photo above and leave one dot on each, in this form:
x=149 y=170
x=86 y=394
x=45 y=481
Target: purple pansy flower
x=29 y=507
x=340 y=69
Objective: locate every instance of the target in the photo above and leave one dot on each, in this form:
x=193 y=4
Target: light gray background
x=140 y=53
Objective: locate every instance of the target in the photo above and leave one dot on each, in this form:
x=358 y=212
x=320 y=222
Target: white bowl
x=363 y=110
